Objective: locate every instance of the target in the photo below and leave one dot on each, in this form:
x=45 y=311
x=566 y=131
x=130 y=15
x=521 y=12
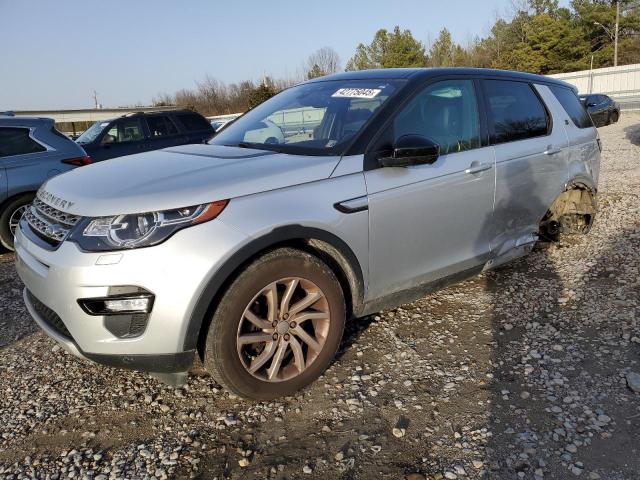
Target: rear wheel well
x=348 y=274
x=573 y=211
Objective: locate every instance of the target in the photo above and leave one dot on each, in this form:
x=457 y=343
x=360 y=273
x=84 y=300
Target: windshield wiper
x=258 y=146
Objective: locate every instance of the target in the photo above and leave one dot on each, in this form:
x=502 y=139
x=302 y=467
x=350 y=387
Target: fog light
x=118 y=304
x=127 y=305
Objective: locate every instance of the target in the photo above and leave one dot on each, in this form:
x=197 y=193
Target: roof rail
x=142 y=112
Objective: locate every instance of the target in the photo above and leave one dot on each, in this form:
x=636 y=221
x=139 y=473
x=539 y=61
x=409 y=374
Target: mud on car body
x=253 y=251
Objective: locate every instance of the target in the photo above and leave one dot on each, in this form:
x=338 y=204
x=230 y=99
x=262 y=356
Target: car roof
x=17 y=121
x=147 y=114
x=424 y=73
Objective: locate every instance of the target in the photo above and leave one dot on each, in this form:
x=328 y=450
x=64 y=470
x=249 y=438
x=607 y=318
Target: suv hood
x=179 y=177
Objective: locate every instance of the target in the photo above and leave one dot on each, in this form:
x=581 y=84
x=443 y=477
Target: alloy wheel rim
x=283 y=329
x=14 y=219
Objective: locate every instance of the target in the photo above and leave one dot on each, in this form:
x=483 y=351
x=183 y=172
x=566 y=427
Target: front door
x=431 y=221
x=124 y=137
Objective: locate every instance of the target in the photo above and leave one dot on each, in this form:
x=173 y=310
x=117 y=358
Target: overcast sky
x=55 y=53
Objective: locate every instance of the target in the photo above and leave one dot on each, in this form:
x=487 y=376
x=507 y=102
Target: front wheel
x=277 y=327
x=10 y=217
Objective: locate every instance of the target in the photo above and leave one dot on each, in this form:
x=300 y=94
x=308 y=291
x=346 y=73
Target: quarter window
x=16 y=141
x=193 y=122
x=128 y=130
x=516 y=112
x=446 y=112
x=161 y=126
x=572 y=105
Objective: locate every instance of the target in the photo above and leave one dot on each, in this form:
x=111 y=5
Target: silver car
x=253 y=252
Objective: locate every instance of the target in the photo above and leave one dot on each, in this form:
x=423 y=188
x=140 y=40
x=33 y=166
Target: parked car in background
x=218 y=124
x=142 y=132
x=31 y=151
x=602 y=108
x=254 y=250
x=265 y=131
x=220 y=121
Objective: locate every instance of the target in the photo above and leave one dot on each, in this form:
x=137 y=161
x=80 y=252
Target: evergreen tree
x=261 y=93
x=389 y=50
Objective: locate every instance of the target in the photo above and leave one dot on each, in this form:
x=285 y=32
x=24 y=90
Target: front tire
x=9 y=218
x=277 y=327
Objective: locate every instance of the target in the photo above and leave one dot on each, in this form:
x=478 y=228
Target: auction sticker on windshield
x=357 y=93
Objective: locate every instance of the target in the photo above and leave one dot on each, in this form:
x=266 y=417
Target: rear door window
x=572 y=105
x=515 y=111
x=16 y=141
x=161 y=126
x=193 y=122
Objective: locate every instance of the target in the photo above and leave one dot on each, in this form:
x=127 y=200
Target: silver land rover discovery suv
x=253 y=250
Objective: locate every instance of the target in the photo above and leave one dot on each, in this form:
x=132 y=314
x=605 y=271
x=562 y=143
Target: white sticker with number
x=357 y=92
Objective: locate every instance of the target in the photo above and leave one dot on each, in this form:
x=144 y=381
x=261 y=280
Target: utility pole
x=615 y=42
x=95 y=99
x=591 y=76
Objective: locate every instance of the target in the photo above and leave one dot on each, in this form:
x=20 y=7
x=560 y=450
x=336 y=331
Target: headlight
x=141 y=229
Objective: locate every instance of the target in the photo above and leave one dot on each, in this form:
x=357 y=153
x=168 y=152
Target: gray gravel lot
x=525 y=372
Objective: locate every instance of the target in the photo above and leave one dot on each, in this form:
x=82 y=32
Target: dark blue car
x=142 y=132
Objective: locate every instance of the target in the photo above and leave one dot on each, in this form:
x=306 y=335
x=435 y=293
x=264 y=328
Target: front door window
x=127 y=130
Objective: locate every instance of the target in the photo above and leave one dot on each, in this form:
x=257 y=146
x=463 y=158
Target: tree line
x=538 y=36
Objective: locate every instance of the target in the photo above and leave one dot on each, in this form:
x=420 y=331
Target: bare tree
x=322 y=62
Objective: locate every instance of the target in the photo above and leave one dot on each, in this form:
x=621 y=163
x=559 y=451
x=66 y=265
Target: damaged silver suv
x=332 y=200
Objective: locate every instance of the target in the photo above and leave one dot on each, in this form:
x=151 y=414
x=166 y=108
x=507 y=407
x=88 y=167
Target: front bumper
x=161 y=363
x=176 y=272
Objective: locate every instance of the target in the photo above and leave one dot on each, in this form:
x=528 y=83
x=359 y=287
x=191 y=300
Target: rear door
x=430 y=221
x=163 y=132
x=23 y=161
x=531 y=165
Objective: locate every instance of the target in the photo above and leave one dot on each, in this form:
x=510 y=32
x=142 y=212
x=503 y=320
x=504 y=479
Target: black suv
x=144 y=131
x=602 y=108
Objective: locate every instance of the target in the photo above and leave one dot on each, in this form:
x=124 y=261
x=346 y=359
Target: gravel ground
x=526 y=372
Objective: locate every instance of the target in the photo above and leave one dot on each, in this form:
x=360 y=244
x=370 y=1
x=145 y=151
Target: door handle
x=552 y=151
x=477 y=167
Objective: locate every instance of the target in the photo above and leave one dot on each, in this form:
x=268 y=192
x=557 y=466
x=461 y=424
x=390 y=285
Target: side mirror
x=412 y=150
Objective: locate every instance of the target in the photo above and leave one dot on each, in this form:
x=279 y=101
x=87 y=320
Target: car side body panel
x=428 y=221
x=583 y=158
x=25 y=173
x=3 y=184
x=530 y=174
x=311 y=205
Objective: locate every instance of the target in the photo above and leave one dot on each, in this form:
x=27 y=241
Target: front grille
x=50 y=317
x=49 y=223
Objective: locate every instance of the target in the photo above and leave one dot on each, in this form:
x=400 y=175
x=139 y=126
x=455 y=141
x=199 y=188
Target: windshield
x=318 y=118
x=92 y=132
